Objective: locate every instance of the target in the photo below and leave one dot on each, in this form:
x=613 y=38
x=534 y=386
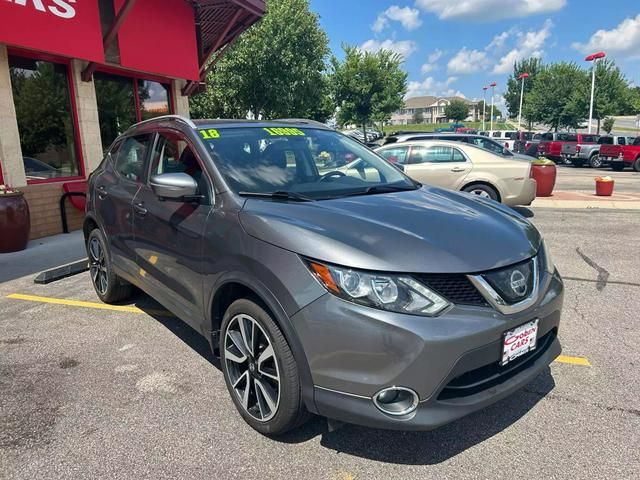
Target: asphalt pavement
x=583 y=179
x=131 y=392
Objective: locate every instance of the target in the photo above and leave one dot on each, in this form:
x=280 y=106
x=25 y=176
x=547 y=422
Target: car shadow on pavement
x=427 y=448
x=524 y=211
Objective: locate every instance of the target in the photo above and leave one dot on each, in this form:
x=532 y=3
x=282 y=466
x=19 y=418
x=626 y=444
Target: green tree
x=482 y=108
x=418 y=117
x=553 y=99
x=367 y=86
x=457 y=110
x=532 y=66
x=607 y=124
x=276 y=69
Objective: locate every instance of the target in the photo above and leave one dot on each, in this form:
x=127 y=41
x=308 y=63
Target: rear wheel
x=109 y=286
x=259 y=369
x=484 y=191
x=617 y=167
x=636 y=165
x=595 y=161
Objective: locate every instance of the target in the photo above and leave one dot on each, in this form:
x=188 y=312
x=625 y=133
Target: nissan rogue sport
x=356 y=294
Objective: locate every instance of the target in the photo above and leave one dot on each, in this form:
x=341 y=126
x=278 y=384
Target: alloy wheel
x=98 y=266
x=596 y=162
x=252 y=367
x=480 y=193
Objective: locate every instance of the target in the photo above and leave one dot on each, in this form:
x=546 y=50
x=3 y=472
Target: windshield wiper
x=384 y=189
x=279 y=194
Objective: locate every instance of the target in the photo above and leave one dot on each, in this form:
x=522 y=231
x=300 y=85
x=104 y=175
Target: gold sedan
x=464 y=167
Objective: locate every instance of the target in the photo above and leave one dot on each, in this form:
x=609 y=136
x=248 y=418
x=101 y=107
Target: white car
x=464 y=167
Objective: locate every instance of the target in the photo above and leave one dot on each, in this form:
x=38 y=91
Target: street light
x=493 y=96
x=484 y=107
x=522 y=77
x=594 y=57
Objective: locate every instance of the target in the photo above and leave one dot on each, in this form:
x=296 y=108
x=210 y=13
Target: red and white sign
x=519 y=341
x=70 y=28
x=160 y=37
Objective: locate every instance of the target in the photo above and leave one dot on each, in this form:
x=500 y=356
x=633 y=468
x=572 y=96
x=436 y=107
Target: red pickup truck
x=551 y=143
x=620 y=156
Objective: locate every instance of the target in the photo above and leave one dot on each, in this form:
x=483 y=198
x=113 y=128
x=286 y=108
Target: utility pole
x=484 y=108
x=493 y=96
x=522 y=77
x=594 y=57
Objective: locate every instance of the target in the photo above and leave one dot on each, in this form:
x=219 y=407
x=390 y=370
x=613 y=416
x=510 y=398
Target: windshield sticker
x=285 y=132
x=209 y=133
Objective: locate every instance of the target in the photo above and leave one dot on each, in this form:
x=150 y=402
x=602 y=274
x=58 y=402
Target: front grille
x=478 y=380
x=456 y=288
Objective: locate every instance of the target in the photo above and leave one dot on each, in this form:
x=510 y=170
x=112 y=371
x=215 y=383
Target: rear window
x=589 y=138
x=567 y=137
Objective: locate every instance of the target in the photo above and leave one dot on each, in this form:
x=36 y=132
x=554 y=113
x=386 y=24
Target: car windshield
x=314 y=163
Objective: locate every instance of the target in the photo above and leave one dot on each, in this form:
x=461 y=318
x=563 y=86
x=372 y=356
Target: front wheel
x=595 y=161
x=484 y=191
x=259 y=369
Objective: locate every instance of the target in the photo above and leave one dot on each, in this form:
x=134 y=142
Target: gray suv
x=356 y=294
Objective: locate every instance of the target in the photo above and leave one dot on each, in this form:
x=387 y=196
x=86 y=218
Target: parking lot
x=89 y=390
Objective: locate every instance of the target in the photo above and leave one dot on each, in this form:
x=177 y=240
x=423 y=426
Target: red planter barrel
x=604 y=188
x=15 y=222
x=545 y=177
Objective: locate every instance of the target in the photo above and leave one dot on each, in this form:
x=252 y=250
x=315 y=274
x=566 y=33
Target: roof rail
x=302 y=120
x=172 y=117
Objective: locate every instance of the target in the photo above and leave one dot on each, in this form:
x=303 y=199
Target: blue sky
x=457 y=46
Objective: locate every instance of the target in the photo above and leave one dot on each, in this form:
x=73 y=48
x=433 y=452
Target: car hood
x=429 y=230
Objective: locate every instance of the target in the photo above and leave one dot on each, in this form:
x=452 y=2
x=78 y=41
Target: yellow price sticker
x=209 y=133
x=285 y=131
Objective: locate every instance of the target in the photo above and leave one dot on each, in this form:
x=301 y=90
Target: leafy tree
x=532 y=66
x=367 y=86
x=276 y=69
x=418 y=117
x=457 y=110
x=632 y=103
x=553 y=99
x=481 y=108
x=607 y=124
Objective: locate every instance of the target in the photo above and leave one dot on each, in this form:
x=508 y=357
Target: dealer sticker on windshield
x=519 y=341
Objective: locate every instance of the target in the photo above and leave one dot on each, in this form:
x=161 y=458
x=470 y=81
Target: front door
x=439 y=165
x=169 y=234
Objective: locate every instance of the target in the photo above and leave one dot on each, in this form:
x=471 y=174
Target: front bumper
x=450 y=361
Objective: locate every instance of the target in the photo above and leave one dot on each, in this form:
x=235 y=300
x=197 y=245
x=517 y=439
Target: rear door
x=114 y=190
x=439 y=165
x=169 y=234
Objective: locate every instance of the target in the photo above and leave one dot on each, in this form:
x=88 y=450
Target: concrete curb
x=62 y=271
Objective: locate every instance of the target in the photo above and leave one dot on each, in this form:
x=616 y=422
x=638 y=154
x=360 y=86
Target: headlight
x=394 y=293
x=548 y=261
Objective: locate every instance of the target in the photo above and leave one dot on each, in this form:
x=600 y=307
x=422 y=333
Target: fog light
x=396 y=400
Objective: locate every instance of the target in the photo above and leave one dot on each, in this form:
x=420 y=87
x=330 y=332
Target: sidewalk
x=585 y=199
x=42 y=254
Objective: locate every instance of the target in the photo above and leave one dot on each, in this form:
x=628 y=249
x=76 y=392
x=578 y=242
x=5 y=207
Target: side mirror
x=174 y=186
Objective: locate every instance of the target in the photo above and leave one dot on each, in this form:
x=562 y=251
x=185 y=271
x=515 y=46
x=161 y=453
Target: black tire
x=290 y=411
x=636 y=165
x=482 y=190
x=595 y=161
x=577 y=163
x=109 y=287
x=617 y=167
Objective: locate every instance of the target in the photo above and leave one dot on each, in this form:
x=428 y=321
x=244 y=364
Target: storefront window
x=45 y=119
x=154 y=99
x=116 y=105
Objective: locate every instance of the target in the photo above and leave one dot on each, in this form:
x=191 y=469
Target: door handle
x=102 y=192
x=458 y=169
x=139 y=208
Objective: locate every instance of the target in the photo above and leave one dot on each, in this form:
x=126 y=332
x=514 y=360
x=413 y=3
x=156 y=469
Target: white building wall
x=10 y=150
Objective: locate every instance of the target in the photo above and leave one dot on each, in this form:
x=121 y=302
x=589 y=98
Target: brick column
x=87 y=111
x=10 y=150
x=181 y=103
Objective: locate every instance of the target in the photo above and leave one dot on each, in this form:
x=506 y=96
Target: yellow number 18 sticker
x=209 y=134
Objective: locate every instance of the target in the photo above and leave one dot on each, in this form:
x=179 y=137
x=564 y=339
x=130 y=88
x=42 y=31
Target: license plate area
x=519 y=341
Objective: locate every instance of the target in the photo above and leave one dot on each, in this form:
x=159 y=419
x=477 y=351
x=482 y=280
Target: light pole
x=594 y=57
x=493 y=96
x=522 y=77
x=484 y=108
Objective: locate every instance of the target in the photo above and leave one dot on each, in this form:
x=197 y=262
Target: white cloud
x=529 y=44
x=623 y=40
x=432 y=60
x=488 y=10
x=467 y=61
x=408 y=17
x=402 y=47
x=498 y=41
x=431 y=86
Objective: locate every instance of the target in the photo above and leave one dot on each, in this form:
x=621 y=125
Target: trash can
x=543 y=172
x=604 y=186
x=15 y=221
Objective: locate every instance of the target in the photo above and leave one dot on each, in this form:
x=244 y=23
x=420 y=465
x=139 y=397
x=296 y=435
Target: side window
x=622 y=141
x=172 y=154
x=496 y=134
x=131 y=157
x=458 y=156
x=395 y=155
x=435 y=154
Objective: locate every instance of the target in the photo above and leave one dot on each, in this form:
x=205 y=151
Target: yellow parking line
x=83 y=304
x=574 y=360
